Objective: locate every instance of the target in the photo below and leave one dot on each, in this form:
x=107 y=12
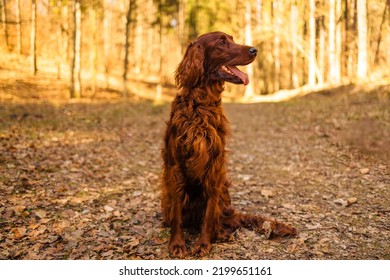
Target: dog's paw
x=201 y=249
x=177 y=249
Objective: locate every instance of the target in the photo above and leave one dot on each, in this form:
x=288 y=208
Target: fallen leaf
x=108 y=253
x=244 y=177
x=351 y=201
x=49 y=239
x=73 y=235
x=267 y=193
x=18 y=232
x=364 y=171
x=19 y=209
x=322 y=247
x=341 y=202
x=108 y=208
x=59 y=227
x=37 y=232
x=288 y=206
x=298 y=243
x=33 y=226
x=158 y=241
x=26 y=213
x=133 y=242
x=44 y=221
x=40 y=213
x=320 y=131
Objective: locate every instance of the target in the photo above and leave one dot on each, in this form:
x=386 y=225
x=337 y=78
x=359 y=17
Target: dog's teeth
x=227 y=70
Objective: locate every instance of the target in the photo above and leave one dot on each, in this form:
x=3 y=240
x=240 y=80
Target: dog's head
x=214 y=57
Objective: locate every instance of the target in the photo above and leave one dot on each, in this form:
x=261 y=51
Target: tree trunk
x=150 y=37
x=18 y=27
x=4 y=22
x=312 y=45
x=388 y=50
x=346 y=50
x=294 y=80
x=138 y=41
x=93 y=54
x=249 y=91
x=276 y=25
x=59 y=39
x=259 y=5
x=338 y=47
x=182 y=25
x=376 y=57
x=65 y=33
x=127 y=36
x=362 y=67
x=75 y=86
x=321 y=51
x=333 y=74
x=107 y=19
x=160 y=61
x=33 y=36
x=350 y=42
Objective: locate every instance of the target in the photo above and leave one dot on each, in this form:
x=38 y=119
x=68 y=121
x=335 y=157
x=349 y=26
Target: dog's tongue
x=243 y=76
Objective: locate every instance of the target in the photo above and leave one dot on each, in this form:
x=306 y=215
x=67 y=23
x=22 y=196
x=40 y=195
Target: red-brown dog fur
x=195 y=184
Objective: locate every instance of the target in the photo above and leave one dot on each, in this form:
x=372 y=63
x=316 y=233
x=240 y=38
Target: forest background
x=111 y=43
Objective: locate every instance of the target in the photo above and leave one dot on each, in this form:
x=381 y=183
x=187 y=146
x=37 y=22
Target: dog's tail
x=271 y=228
x=267 y=226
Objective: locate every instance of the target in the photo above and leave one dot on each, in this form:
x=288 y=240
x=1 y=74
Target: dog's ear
x=190 y=71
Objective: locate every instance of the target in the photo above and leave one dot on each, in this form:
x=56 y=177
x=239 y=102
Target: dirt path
x=79 y=180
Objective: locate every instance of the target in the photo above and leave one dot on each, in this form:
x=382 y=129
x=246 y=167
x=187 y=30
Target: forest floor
x=80 y=179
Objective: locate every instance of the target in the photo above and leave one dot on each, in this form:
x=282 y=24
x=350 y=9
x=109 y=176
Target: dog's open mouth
x=234 y=71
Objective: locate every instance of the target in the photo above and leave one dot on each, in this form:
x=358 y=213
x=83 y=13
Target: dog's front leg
x=208 y=230
x=177 y=246
x=210 y=225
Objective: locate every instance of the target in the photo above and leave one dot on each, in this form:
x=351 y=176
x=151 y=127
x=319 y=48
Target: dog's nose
x=253 y=51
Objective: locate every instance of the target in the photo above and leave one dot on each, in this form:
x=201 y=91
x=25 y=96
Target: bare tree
x=94 y=46
x=276 y=26
x=379 y=40
x=338 y=43
x=321 y=50
x=348 y=38
x=33 y=37
x=107 y=22
x=334 y=61
x=362 y=65
x=4 y=22
x=138 y=35
x=18 y=27
x=294 y=38
x=182 y=19
x=259 y=6
x=249 y=91
x=75 y=84
x=127 y=36
x=150 y=38
x=61 y=35
x=160 y=59
x=312 y=44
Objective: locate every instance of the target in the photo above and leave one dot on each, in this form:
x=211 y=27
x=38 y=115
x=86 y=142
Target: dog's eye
x=222 y=43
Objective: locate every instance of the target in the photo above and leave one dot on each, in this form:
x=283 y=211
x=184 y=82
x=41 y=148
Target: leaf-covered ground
x=80 y=179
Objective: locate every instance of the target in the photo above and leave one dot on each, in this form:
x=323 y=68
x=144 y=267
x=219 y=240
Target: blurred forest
x=111 y=44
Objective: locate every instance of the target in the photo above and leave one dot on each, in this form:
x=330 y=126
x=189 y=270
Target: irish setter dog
x=195 y=184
